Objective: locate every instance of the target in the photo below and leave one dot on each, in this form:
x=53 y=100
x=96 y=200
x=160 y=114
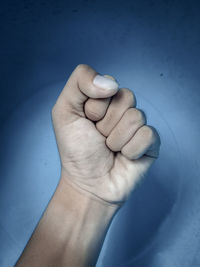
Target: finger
x=84 y=82
x=120 y=102
x=130 y=122
x=145 y=142
x=95 y=109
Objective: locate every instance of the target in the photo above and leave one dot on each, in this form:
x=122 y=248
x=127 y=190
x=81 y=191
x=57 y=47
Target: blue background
x=151 y=47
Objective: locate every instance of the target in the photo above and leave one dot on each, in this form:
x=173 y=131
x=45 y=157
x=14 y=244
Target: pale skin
x=105 y=148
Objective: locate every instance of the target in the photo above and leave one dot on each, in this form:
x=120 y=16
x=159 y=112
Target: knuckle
x=136 y=115
x=110 y=144
x=94 y=115
x=81 y=68
x=93 y=111
x=149 y=133
x=129 y=96
x=127 y=153
x=119 y=131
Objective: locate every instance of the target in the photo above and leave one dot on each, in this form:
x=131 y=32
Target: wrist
x=83 y=202
x=93 y=189
x=86 y=222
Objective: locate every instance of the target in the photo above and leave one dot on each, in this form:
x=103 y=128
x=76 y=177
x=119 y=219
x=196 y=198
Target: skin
x=105 y=148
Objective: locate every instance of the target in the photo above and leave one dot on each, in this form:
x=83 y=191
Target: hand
x=104 y=143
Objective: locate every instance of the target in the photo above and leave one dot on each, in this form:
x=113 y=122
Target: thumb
x=84 y=83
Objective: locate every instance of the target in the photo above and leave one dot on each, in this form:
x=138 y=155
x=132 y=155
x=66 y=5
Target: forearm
x=71 y=231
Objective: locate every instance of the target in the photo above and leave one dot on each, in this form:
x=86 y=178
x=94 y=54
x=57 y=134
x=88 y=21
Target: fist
x=104 y=143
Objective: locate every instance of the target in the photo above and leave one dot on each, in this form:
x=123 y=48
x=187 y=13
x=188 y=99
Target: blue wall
x=151 y=47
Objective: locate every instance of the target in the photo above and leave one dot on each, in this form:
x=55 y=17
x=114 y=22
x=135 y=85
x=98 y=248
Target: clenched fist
x=104 y=143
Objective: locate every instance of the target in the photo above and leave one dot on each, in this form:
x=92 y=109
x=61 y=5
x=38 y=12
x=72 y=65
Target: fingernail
x=105 y=82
